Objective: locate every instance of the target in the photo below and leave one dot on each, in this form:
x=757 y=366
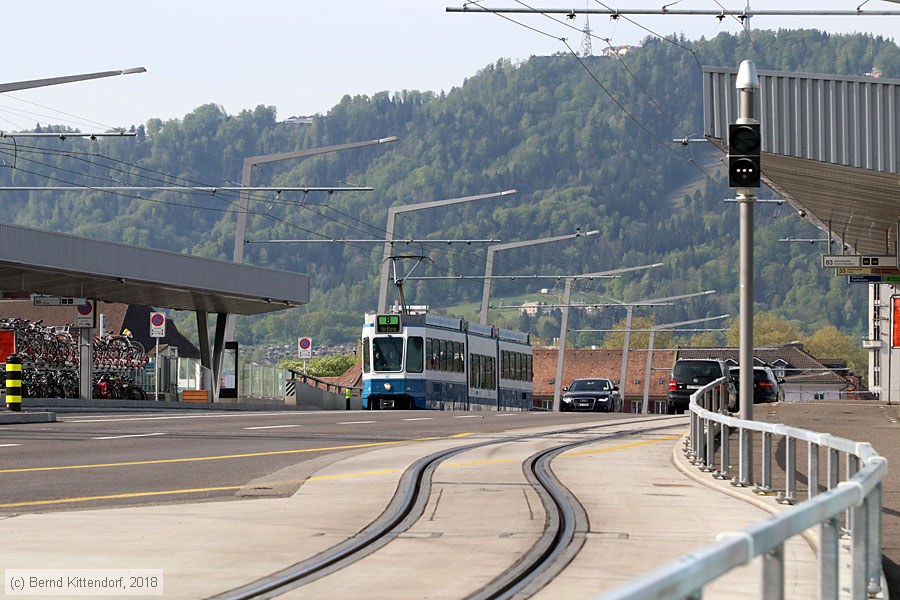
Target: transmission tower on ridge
x=586 y=49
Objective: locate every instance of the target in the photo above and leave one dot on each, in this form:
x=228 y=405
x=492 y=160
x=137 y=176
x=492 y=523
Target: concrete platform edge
x=14 y=418
x=724 y=486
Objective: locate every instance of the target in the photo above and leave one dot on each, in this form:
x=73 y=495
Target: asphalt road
x=102 y=460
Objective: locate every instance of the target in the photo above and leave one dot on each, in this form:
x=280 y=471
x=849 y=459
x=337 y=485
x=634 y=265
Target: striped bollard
x=14 y=383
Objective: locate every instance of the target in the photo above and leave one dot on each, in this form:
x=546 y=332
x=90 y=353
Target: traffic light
x=744 y=146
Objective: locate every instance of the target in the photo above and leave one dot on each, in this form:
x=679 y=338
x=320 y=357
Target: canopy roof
x=58 y=264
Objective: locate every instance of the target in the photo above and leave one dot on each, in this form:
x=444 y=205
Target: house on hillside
x=805 y=376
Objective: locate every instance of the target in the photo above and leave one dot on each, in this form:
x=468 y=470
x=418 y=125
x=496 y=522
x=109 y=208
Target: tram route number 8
x=387 y=324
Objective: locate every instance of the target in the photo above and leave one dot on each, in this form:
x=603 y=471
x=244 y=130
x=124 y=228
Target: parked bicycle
x=120 y=387
x=50 y=361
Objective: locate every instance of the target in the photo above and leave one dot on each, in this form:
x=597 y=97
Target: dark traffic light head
x=744 y=148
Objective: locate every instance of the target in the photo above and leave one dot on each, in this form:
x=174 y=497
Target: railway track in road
x=565 y=520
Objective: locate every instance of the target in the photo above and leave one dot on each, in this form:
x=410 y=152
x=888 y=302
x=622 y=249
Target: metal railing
x=848 y=509
x=328 y=386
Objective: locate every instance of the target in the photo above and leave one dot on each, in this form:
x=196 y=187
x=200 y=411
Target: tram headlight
x=388 y=387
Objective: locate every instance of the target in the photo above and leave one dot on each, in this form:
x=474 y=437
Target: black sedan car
x=591 y=394
x=766 y=386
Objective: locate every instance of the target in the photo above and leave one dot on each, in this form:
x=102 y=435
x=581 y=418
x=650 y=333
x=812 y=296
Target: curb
x=724 y=486
x=13 y=418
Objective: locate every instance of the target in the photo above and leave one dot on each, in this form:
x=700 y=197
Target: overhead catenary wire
x=230 y=199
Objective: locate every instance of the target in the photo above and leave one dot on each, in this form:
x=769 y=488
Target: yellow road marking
x=273 y=483
x=190 y=491
x=624 y=446
x=222 y=457
x=117 y=496
x=345 y=475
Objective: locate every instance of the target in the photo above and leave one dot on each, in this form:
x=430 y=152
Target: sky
x=303 y=56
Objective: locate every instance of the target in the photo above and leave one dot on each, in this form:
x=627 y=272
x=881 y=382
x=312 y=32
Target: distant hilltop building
x=299 y=120
x=530 y=308
x=617 y=50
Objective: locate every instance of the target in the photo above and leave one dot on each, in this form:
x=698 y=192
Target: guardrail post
x=701 y=443
x=773 y=573
x=725 y=470
x=812 y=468
x=829 y=540
x=874 y=554
x=852 y=469
x=833 y=468
x=695 y=437
x=859 y=548
x=745 y=474
x=766 y=485
x=790 y=472
x=710 y=464
x=689 y=450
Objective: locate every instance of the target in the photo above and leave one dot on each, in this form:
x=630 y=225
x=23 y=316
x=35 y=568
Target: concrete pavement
x=643 y=512
x=875 y=422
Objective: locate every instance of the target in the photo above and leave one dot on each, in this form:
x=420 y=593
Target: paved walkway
x=875 y=422
x=644 y=511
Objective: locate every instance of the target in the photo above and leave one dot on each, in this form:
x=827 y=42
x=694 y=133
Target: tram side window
x=490 y=375
x=515 y=365
x=387 y=353
x=444 y=355
x=414 y=355
x=483 y=372
x=365 y=356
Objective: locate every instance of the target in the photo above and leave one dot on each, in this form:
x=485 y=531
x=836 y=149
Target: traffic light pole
x=747 y=85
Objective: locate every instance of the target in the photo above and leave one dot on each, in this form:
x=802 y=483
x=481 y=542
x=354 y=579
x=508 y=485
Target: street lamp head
x=747 y=79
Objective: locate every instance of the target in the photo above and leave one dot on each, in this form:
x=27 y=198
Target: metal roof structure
x=58 y=264
x=830 y=148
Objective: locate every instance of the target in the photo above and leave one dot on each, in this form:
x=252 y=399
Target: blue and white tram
x=427 y=361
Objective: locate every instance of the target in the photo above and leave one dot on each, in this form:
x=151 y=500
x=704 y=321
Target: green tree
x=640 y=336
x=324 y=366
x=830 y=342
x=768 y=330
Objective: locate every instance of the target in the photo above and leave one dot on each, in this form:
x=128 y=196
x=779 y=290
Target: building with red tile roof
x=580 y=363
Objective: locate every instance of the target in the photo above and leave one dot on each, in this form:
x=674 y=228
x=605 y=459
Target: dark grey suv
x=594 y=394
x=691 y=374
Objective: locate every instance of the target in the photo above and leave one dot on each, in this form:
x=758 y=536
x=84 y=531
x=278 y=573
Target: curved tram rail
x=550 y=554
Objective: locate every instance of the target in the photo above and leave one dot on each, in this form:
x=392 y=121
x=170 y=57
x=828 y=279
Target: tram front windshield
x=387 y=353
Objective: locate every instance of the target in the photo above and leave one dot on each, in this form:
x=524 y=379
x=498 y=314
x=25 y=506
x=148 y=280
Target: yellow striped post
x=14 y=383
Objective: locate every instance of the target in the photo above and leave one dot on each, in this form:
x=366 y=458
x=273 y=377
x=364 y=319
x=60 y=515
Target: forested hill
x=586 y=142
